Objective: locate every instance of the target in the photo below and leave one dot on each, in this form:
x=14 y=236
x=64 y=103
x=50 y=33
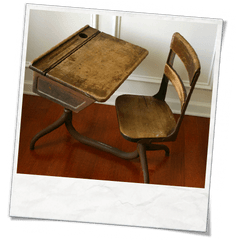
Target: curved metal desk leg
x=97 y=144
x=50 y=128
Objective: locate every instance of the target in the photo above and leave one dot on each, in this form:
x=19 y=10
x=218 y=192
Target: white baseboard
x=28 y=86
x=194 y=108
x=200 y=109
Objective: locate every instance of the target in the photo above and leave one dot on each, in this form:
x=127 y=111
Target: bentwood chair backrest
x=179 y=46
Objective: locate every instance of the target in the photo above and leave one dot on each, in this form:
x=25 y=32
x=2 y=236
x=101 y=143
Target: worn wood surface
x=142 y=117
x=58 y=154
x=187 y=55
x=91 y=62
x=56 y=92
x=55 y=55
x=177 y=83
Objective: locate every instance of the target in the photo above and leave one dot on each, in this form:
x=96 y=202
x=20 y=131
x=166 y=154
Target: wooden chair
x=148 y=119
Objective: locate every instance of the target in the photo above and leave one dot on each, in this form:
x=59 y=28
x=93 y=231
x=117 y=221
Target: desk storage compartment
x=60 y=94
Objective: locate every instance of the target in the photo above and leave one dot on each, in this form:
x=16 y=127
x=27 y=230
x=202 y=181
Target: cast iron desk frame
x=73 y=55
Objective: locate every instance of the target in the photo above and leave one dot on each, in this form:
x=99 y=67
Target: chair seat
x=142 y=117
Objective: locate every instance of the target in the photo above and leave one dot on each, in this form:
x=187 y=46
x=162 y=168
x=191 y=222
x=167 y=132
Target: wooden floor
x=59 y=154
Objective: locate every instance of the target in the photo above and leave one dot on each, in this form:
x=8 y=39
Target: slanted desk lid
x=91 y=62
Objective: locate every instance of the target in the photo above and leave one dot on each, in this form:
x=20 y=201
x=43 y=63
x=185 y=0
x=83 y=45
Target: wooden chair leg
x=143 y=160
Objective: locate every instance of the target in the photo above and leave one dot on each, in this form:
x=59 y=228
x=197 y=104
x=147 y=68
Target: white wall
x=47 y=28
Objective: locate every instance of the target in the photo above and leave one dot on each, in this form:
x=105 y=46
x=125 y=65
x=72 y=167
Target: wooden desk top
x=90 y=62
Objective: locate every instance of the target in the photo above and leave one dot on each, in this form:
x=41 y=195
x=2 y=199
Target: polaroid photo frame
x=109 y=202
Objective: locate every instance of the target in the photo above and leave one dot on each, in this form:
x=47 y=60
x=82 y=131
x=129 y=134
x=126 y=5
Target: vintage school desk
x=86 y=67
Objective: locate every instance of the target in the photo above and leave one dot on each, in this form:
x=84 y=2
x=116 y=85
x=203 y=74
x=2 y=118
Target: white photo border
x=107 y=202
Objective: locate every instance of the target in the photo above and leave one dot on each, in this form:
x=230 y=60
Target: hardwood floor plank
x=59 y=154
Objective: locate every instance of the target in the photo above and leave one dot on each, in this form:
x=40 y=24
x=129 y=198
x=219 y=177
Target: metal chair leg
x=143 y=160
x=154 y=147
